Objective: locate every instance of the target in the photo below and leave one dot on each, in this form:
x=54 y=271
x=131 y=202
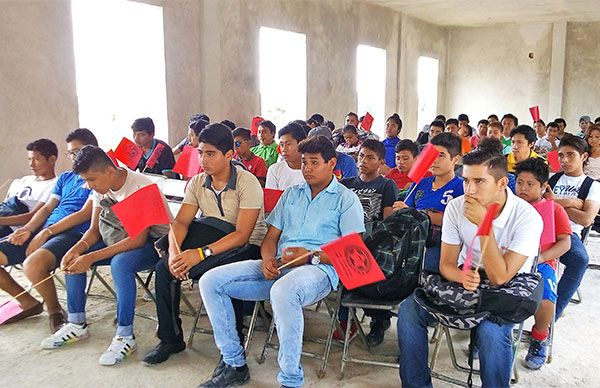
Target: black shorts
x=58 y=245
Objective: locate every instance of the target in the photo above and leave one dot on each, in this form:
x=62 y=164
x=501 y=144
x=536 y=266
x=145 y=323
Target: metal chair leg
x=263 y=354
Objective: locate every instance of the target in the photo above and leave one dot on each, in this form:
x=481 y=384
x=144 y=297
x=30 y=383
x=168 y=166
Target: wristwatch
x=207 y=251
x=315 y=258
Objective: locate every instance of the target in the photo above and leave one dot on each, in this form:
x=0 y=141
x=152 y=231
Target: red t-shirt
x=561 y=226
x=401 y=178
x=257 y=166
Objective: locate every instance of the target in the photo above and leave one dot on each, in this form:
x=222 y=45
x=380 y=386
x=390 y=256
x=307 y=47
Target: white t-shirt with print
x=515 y=228
x=568 y=187
x=280 y=176
x=31 y=190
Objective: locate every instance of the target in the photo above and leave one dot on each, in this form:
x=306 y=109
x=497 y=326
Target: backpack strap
x=585 y=188
x=554 y=178
x=472 y=346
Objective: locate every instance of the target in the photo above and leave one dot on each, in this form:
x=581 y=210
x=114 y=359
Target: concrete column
x=557 y=69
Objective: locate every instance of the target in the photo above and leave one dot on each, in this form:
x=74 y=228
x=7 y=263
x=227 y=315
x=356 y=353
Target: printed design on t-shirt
x=371 y=201
x=566 y=190
x=24 y=193
x=447 y=197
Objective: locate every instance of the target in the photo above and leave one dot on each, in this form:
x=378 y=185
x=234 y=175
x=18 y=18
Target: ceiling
x=480 y=12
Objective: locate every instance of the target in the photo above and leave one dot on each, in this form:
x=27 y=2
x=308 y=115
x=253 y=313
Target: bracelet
x=201 y=254
x=86 y=244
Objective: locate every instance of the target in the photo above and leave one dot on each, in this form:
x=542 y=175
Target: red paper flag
x=271 y=198
x=423 y=163
x=188 y=163
x=552 y=158
x=486 y=224
x=153 y=159
x=353 y=261
x=546 y=210
x=254 y=127
x=9 y=309
x=142 y=209
x=111 y=155
x=535 y=113
x=367 y=122
x=128 y=153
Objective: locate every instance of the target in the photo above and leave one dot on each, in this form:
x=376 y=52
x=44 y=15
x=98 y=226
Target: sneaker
x=219 y=368
x=162 y=352
x=340 y=335
x=120 y=348
x=229 y=377
x=69 y=333
x=378 y=328
x=536 y=356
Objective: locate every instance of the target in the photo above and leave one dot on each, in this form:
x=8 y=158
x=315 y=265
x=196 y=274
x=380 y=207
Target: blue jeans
x=493 y=341
x=123 y=267
x=432 y=259
x=576 y=261
x=295 y=288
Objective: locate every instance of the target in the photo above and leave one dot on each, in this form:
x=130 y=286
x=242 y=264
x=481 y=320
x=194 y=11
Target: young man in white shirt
x=508 y=250
x=287 y=173
x=568 y=191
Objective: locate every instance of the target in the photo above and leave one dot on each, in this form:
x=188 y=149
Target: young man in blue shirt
x=306 y=217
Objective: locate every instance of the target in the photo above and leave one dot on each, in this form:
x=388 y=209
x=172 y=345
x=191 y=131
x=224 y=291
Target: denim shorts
x=58 y=245
x=549 y=279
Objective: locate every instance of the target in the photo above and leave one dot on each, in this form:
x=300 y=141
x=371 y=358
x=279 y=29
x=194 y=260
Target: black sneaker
x=219 y=368
x=162 y=352
x=229 y=377
x=378 y=328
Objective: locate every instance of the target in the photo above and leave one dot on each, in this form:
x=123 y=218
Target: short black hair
x=350 y=128
x=268 y=124
x=294 y=129
x=452 y=121
x=229 y=124
x=511 y=117
x=463 y=117
x=218 y=136
x=526 y=131
x=244 y=133
x=407 y=145
x=449 y=141
x=396 y=118
x=198 y=125
x=91 y=157
x=561 y=121
x=143 y=124
x=552 y=124
x=376 y=146
x=597 y=120
x=535 y=166
x=493 y=116
x=351 y=114
x=330 y=124
x=199 y=116
x=437 y=123
x=44 y=147
x=491 y=144
x=317 y=145
x=483 y=121
x=82 y=135
x=573 y=141
x=317 y=118
x=541 y=122
x=441 y=118
x=496 y=163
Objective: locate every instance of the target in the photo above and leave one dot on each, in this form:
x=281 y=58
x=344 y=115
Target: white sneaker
x=71 y=332
x=120 y=348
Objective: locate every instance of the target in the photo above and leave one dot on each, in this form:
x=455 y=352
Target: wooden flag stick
x=295 y=260
x=410 y=192
x=485 y=244
x=33 y=286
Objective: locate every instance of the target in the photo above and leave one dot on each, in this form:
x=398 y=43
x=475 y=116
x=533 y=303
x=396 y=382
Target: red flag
x=367 y=122
x=9 y=310
x=552 y=158
x=353 y=262
x=153 y=159
x=423 y=163
x=142 y=209
x=111 y=155
x=546 y=210
x=535 y=113
x=188 y=163
x=271 y=198
x=128 y=153
x=254 y=127
x=486 y=224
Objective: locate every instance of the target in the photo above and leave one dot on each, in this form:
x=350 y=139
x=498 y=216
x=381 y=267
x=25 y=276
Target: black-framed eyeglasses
x=73 y=153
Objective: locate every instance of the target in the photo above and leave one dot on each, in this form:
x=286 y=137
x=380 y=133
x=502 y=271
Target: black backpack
x=397 y=244
x=583 y=190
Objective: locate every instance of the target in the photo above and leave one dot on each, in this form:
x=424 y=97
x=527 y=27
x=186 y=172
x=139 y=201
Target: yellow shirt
x=510 y=158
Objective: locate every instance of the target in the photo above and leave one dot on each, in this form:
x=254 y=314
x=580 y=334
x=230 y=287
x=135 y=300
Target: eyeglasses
x=72 y=153
x=238 y=143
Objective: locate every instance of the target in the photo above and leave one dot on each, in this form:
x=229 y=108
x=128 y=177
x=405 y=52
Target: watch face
x=316 y=259
x=207 y=252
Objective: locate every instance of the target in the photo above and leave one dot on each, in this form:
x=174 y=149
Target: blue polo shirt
x=424 y=197
x=71 y=194
x=390 y=150
x=310 y=223
x=345 y=167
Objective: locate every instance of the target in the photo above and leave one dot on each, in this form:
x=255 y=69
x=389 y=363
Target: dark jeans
x=576 y=262
x=168 y=288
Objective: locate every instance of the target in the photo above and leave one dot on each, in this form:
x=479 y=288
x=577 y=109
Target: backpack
x=397 y=244
x=583 y=190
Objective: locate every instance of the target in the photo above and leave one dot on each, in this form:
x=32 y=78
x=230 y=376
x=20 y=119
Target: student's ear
x=502 y=183
x=584 y=157
x=332 y=162
x=52 y=159
x=456 y=159
x=229 y=154
x=544 y=188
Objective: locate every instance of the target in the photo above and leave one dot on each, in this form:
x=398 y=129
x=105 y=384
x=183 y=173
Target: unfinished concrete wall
x=37 y=75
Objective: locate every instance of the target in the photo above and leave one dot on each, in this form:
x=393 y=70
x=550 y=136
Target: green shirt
x=268 y=153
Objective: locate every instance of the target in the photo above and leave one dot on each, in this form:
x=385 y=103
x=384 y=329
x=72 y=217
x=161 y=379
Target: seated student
x=253 y=163
x=540 y=129
x=435 y=128
x=433 y=193
x=28 y=194
x=569 y=191
x=549 y=142
x=584 y=124
x=562 y=125
x=106 y=243
x=346 y=166
x=509 y=122
x=465 y=131
x=523 y=138
x=287 y=172
x=229 y=124
x=48 y=235
x=532 y=182
x=493 y=117
x=393 y=127
x=231 y=229
x=143 y=135
x=195 y=128
x=306 y=217
x=452 y=126
x=495 y=131
x=267 y=149
x=316 y=120
x=493 y=144
x=351 y=144
x=592 y=168
x=509 y=250
x=482 y=128
x=186 y=141
x=406 y=153
x=377 y=195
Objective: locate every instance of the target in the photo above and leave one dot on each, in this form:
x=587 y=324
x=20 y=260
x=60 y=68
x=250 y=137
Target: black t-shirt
x=165 y=161
x=374 y=195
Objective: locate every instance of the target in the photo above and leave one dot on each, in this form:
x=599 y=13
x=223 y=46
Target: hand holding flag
x=153 y=159
x=423 y=163
x=367 y=122
x=484 y=229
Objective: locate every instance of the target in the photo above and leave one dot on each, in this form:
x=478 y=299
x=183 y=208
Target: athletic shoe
x=162 y=352
x=378 y=328
x=536 y=356
x=229 y=377
x=69 y=333
x=120 y=348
